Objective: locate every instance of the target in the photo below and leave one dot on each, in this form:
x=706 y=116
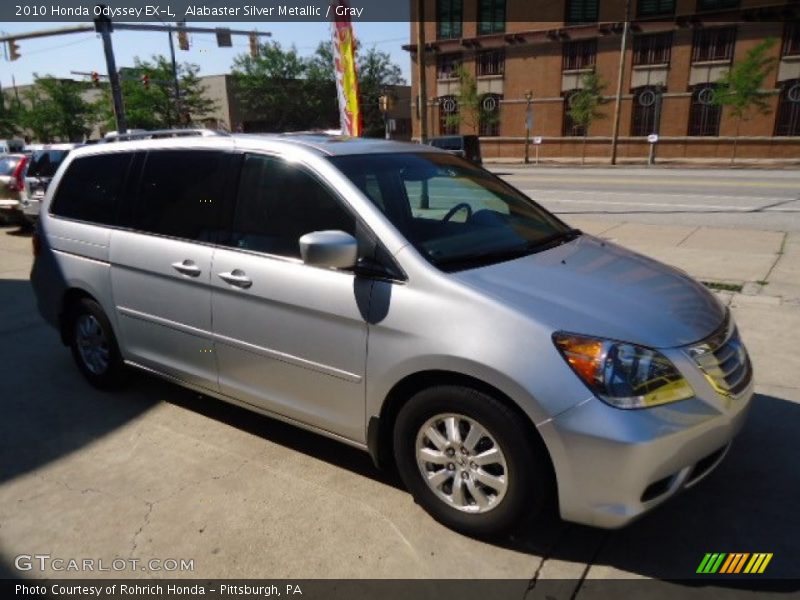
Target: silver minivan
x=403 y=301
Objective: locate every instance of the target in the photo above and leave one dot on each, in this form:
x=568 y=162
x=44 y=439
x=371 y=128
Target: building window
x=448 y=19
x=579 y=55
x=448 y=115
x=644 y=117
x=568 y=126
x=716 y=4
x=713 y=44
x=656 y=8
x=491 y=62
x=791 y=39
x=704 y=115
x=581 y=11
x=787 y=120
x=491 y=16
x=447 y=66
x=489 y=124
x=652 y=49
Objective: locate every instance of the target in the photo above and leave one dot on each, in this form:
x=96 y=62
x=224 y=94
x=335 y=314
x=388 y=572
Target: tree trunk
x=736 y=139
x=583 y=150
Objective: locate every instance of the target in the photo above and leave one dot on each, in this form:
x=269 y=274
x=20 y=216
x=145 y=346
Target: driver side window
x=278 y=202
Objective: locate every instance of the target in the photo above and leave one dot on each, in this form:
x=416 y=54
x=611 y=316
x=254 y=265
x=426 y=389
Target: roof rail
x=161 y=133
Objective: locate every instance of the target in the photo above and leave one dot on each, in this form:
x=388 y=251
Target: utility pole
x=422 y=100
x=178 y=107
x=623 y=46
x=104 y=28
x=528 y=125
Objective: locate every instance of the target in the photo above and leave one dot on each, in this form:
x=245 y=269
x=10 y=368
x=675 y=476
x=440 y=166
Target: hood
x=593 y=287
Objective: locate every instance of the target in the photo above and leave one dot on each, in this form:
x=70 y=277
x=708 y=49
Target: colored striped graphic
x=344 y=62
x=734 y=563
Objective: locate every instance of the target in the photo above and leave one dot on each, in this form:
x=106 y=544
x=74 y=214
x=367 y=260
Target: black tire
x=114 y=373
x=528 y=475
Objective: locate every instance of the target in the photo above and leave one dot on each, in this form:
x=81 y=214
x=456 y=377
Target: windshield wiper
x=483 y=258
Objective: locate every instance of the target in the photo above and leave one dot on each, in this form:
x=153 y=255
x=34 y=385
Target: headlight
x=623 y=375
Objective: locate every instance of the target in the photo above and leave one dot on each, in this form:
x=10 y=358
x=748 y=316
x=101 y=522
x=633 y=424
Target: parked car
x=12 y=183
x=511 y=358
x=465 y=146
x=12 y=146
x=43 y=165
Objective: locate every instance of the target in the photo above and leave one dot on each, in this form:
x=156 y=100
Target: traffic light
x=13 y=50
x=95 y=79
x=146 y=81
x=254 y=45
x=183 y=38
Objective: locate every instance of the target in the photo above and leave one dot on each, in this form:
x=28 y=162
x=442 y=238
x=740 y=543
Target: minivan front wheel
x=468 y=460
x=94 y=346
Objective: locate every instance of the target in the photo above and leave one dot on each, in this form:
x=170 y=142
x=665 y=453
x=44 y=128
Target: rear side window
x=45 y=163
x=180 y=193
x=91 y=188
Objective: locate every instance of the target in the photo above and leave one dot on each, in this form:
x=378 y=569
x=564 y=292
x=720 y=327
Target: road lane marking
x=683 y=182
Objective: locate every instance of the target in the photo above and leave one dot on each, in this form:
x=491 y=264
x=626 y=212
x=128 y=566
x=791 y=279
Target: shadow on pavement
x=747 y=505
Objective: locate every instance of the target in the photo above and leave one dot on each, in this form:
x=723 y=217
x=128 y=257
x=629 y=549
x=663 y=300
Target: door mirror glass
x=331 y=249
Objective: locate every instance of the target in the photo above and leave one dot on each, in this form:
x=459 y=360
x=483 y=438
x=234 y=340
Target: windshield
x=456 y=214
x=44 y=163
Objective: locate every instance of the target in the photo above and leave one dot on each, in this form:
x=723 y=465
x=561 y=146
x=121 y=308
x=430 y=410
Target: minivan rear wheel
x=469 y=460
x=94 y=346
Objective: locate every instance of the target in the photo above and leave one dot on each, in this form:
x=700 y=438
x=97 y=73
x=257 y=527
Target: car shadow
x=746 y=505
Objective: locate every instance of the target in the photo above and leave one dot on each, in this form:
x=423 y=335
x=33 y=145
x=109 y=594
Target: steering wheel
x=455 y=209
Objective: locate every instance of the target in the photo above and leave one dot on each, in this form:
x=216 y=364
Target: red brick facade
x=534 y=63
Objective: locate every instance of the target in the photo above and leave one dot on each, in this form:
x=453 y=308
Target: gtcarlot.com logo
x=734 y=563
x=46 y=562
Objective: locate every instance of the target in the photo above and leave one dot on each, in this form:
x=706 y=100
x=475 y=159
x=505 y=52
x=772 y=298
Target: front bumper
x=613 y=465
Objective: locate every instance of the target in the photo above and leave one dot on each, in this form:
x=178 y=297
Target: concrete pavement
x=158 y=472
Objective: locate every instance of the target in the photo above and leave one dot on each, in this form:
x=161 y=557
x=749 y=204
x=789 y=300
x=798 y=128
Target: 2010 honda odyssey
x=404 y=301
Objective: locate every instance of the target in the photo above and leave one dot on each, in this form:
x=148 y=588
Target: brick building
x=535 y=53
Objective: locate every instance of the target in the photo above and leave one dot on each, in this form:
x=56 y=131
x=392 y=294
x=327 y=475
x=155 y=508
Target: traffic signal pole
x=103 y=27
x=178 y=106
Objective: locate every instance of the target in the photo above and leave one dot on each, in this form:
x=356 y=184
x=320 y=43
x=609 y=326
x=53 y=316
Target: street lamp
x=528 y=124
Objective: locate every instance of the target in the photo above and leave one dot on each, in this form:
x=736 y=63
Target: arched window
x=489 y=123
x=448 y=115
x=787 y=118
x=644 y=115
x=704 y=115
x=568 y=126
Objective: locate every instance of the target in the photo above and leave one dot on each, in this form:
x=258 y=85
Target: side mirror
x=331 y=249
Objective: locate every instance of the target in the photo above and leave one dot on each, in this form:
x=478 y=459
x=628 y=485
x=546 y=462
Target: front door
x=289 y=338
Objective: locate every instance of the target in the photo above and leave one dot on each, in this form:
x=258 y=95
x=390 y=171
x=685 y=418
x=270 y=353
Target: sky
x=84 y=51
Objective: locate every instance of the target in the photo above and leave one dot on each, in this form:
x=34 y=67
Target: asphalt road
x=741 y=198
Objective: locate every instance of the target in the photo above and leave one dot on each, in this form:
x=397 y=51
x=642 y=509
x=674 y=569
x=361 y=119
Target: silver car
x=403 y=301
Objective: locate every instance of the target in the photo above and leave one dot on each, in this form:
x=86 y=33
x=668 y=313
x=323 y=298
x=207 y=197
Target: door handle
x=187 y=267
x=237 y=277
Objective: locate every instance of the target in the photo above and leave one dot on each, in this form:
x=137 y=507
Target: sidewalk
x=764 y=266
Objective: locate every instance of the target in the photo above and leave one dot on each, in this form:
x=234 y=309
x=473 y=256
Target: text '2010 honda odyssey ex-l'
x=401 y=300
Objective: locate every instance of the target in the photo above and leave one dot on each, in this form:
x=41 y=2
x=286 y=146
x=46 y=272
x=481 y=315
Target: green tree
x=154 y=106
x=9 y=116
x=469 y=103
x=272 y=89
x=288 y=92
x=376 y=71
x=584 y=108
x=56 y=109
x=740 y=88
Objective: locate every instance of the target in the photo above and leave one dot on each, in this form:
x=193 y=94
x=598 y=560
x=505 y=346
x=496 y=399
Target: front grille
x=704 y=465
x=723 y=359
